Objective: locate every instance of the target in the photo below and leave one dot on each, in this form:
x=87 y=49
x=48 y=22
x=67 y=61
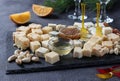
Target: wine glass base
x=72 y=17
x=107 y=20
x=80 y=17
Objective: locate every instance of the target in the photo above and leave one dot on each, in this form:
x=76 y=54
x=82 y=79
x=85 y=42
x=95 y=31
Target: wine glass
x=77 y=11
x=103 y=16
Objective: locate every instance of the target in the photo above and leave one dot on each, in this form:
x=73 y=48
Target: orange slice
x=21 y=18
x=42 y=11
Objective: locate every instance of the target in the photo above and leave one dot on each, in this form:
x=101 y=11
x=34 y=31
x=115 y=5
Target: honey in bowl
x=61 y=46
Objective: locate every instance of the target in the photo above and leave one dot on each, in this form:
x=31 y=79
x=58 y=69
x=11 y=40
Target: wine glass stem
x=76 y=8
x=103 y=12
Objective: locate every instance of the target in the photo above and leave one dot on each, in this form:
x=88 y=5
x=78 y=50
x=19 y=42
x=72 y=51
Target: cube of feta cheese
x=77 y=43
x=40 y=52
x=45 y=37
x=34 y=37
x=17 y=34
x=35 y=26
x=113 y=37
x=34 y=45
x=52 y=25
x=98 y=50
x=37 y=31
x=77 y=53
x=52 y=57
x=23 y=29
x=22 y=42
x=89 y=24
x=100 y=24
x=108 y=44
x=45 y=43
x=46 y=29
x=106 y=30
x=60 y=26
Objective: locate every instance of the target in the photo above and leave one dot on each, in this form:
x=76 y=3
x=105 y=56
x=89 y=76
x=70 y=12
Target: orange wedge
x=21 y=18
x=42 y=11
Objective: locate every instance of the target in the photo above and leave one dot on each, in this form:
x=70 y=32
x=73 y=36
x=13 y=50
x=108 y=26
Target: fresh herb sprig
x=60 y=6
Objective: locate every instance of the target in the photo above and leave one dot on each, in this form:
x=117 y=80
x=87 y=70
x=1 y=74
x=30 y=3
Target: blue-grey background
x=8 y=7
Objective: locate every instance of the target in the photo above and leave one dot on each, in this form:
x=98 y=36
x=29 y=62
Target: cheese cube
x=45 y=37
x=97 y=50
x=22 y=42
x=100 y=24
x=37 y=31
x=87 y=48
x=46 y=29
x=113 y=37
x=77 y=24
x=34 y=37
x=77 y=53
x=52 y=57
x=45 y=43
x=35 y=26
x=106 y=30
x=52 y=25
x=23 y=29
x=34 y=45
x=89 y=24
x=40 y=52
x=60 y=26
x=77 y=43
x=107 y=44
x=17 y=34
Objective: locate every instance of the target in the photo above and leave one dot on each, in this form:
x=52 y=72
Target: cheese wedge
x=34 y=45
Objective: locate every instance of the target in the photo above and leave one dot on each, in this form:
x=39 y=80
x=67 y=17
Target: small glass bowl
x=61 y=46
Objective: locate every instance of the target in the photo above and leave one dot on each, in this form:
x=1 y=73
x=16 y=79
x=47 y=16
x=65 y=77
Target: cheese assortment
x=33 y=42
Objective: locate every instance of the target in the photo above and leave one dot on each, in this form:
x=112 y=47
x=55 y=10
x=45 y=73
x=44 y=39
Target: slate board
x=66 y=62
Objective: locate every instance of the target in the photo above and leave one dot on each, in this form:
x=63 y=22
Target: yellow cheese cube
x=34 y=45
x=22 y=42
x=52 y=57
x=34 y=37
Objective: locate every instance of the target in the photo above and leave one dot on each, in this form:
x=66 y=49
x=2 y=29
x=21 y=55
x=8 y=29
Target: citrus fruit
x=21 y=18
x=42 y=11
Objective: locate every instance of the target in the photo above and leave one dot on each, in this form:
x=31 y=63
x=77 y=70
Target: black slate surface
x=8 y=7
x=66 y=62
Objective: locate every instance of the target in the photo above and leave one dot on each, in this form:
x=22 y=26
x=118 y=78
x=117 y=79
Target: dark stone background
x=8 y=7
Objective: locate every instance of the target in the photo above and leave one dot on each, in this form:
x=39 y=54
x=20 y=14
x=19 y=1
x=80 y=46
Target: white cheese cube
x=108 y=44
x=113 y=37
x=77 y=24
x=52 y=25
x=23 y=29
x=34 y=37
x=100 y=24
x=52 y=57
x=60 y=26
x=37 y=31
x=35 y=26
x=45 y=37
x=17 y=34
x=45 y=43
x=89 y=24
x=77 y=53
x=106 y=30
x=22 y=42
x=46 y=29
x=40 y=52
x=77 y=43
x=34 y=45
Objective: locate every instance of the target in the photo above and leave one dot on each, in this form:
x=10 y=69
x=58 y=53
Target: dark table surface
x=8 y=7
